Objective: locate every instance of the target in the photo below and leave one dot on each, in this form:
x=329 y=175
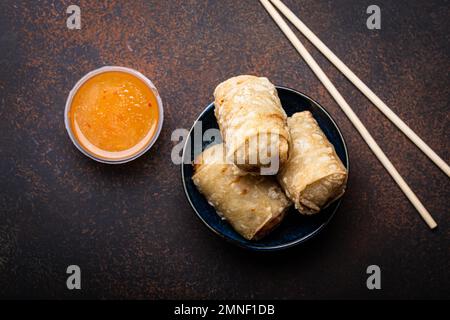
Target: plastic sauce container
x=114 y=114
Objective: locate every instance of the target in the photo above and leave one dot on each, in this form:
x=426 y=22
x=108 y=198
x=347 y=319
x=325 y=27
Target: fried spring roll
x=314 y=176
x=252 y=123
x=253 y=205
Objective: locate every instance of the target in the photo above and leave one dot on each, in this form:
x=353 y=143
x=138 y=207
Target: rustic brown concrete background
x=130 y=228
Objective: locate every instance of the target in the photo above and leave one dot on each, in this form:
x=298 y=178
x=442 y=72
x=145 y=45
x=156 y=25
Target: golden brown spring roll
x=253 y=205
x=314 y=176
x=252 y=123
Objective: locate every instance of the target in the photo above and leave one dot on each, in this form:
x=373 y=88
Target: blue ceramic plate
x=295 y=228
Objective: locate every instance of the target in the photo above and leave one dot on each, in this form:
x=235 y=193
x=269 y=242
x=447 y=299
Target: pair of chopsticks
x=268 y=5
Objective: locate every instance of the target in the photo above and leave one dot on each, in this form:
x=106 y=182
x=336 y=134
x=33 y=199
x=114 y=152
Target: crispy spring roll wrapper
x=253 y=205
x=252 y=123
x=314 y=176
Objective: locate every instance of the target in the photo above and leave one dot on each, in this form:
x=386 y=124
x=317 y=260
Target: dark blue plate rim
x=274 y=247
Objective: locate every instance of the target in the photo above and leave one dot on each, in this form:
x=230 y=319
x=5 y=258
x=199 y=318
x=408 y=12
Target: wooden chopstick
x=362 y=86
x=349 y=113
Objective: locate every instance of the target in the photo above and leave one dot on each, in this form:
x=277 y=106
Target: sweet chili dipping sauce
x=113 y=115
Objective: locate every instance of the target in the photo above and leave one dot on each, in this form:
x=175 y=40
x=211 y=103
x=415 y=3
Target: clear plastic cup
x=83 y=80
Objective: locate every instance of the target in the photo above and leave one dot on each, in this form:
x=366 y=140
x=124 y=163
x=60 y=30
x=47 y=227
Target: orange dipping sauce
x=114 y=115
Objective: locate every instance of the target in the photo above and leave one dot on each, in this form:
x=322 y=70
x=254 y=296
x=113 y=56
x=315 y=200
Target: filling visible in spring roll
x=252 y=123
x=314 y=176
x=253 y=205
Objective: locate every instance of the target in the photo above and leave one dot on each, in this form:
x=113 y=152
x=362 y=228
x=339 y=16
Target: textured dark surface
x=130 y=228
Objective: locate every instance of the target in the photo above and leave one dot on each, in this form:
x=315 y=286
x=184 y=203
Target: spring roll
x=253 y=205
x=252 y=123
x=314 y=176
